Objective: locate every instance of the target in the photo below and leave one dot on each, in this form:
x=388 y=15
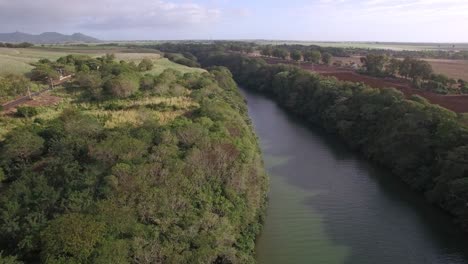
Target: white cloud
x=383 y=20
x=102 y=14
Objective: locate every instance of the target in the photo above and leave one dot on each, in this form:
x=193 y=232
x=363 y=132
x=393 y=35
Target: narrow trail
x=18 y=101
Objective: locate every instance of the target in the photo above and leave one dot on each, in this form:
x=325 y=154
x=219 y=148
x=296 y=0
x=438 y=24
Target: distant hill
x=45 y=38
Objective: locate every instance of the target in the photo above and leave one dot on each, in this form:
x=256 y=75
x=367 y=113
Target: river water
x=329 y=206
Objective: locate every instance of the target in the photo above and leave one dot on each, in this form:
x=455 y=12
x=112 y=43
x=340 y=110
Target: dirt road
x=21 y=100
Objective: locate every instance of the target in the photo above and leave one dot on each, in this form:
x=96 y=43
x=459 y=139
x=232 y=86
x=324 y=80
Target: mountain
x=45 y=38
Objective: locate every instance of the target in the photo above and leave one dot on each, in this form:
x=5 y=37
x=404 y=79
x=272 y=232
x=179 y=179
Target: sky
x=313 y=20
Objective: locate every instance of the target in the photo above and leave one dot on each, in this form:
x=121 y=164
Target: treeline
x=16 y=45
x=188 y=191
x=313 y=55
x=248 y=47
x=419 y=71
x=349 y=52
x=426 y=54
x=422 y=143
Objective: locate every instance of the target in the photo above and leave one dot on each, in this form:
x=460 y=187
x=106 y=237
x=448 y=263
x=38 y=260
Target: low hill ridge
x=46 y=38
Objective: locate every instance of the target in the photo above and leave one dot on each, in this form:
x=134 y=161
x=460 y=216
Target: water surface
x=329 y=206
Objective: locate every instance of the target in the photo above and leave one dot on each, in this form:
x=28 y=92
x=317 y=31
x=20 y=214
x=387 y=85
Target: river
x=329 y=206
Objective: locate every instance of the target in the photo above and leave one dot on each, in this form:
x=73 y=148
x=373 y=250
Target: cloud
x=102 y=14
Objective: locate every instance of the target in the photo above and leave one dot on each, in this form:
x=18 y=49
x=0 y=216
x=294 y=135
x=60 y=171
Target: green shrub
x=145 y=65
x=113 y=106
x=26 y=111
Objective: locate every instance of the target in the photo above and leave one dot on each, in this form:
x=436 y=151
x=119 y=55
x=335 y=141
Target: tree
x=22 y=144
x=123 y=85
x=405 y=67
x=145 y=65
x=147 y=82
x=266 y=51
x=393 y=67
x=71 y=237
x=296 y=55
x=8 y=259
x=420 y=70
x=2 y=176
x=375 y=64
x=416 y=69
x=313 y=56
x=44 y=73
x=92 y=82
x=280 y=53
x=326 y=58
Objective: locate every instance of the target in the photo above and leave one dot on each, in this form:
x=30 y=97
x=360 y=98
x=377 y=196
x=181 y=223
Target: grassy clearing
x=136 y=113
x=162 y=64
x=133 y=112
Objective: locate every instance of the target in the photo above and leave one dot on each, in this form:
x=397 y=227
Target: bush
x=13 y=85
x=123 y=85
x=26 y=111
x=44 y=73
x=145 y=65
x=113 y=106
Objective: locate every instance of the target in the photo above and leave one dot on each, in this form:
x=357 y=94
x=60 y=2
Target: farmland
x=456 y=103
x=456 y=69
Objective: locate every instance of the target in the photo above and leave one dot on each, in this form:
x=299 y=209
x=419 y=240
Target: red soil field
x=456 y=103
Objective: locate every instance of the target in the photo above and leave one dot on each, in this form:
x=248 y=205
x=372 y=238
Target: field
x=456 y=69
x=456 y=103
x=373 y=45
x=18 y=61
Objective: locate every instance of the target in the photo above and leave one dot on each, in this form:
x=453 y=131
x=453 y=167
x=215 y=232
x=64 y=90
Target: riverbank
x=328 y=205
x=421 y=143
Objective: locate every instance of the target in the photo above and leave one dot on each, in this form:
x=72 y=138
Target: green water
x=328 y=206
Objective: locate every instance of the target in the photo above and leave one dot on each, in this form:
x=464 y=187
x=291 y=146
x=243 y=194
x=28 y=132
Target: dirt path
x=24 y=99
x=456 y=103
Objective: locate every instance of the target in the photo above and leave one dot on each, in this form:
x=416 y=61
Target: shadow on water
x=328 y=205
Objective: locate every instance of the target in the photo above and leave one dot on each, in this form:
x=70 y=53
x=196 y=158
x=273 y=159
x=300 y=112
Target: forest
x=137 y=168
x=423 y=144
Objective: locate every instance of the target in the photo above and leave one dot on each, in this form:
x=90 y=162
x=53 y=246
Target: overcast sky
x=337 y=20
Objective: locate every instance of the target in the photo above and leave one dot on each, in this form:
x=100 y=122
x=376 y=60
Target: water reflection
x=327 y=205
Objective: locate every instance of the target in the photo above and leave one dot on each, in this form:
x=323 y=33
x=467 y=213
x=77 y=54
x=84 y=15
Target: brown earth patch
x=456 y=103
x=457 y=69
x=44 y=99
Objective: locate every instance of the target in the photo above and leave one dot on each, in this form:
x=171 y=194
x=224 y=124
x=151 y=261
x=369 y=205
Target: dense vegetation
x=422 y=143
x=98 y=185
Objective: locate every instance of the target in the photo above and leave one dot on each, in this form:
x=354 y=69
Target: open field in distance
x=18 y=61
x=456 y=69
x=373 y=45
